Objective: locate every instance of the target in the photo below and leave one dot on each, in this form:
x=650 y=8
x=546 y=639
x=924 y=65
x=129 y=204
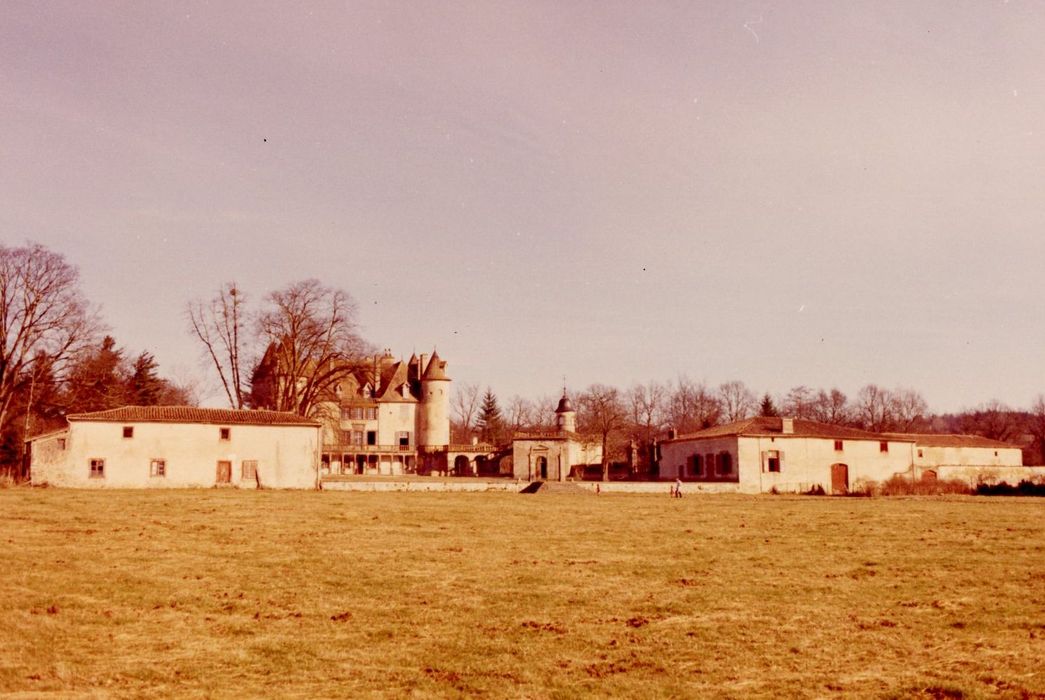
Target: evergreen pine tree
x=767 y=407
x=489 y=424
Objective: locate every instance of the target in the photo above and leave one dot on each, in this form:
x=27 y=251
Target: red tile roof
x=952 y=440
x=192 y=414
x=773 y=427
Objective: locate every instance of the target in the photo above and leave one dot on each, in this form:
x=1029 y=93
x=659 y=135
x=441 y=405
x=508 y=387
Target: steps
x=562 y=487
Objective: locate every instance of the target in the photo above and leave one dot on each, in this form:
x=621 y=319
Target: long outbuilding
x=764 y=454
x=179 y=446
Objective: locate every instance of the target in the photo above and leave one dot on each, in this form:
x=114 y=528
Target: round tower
x=434 y=429
x=565 y=416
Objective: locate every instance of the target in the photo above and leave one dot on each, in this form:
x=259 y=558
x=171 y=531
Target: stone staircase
x=563 y=487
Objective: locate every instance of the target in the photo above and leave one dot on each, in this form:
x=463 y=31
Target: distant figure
x=598 y=490
x=678 y=487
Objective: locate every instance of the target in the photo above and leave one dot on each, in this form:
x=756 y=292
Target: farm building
x=178 y=446
x=758 y=455
x=554 y=455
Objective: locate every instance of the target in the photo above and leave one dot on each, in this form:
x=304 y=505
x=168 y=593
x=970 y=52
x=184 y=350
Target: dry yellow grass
x=232 y=594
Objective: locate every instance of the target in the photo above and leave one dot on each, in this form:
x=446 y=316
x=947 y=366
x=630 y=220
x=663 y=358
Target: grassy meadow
x=225 y=593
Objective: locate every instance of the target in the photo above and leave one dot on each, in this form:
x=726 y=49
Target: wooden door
x=839 y=478
x=224 y=472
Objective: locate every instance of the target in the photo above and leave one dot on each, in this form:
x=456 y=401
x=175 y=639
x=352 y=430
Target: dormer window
x=367 y=391
x=404 y=391
x=224 y=433
x=128 y=431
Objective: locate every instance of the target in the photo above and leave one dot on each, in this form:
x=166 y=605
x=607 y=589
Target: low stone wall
x=472 y=484
x=370 y=484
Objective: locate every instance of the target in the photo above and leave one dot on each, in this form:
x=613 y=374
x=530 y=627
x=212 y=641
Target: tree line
x=55 y=356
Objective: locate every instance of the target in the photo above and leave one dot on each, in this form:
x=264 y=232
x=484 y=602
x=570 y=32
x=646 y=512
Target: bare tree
x=542 y=415
x=43 y=317
x=518 y=415
x=312 y=341
x=692 y=406
x=1036 y=425
x=464 y=403
x=993 y=420
x=219 y=324
x=908 y=410
x=800 y=402
x=738 y=402
x=646 y=411
x=874 y=408
x=602 y=412
x=831 y=407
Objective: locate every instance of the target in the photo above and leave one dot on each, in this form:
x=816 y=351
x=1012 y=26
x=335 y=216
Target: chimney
x=422 y=364
x=672 y=433
x=787 y=426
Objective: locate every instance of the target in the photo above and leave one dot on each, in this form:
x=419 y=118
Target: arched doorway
x=461 y=466
x=839 y=478
x=542 y=467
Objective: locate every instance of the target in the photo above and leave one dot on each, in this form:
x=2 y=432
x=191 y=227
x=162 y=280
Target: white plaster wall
x=287 y=456
x=396 y=417
x=974 y=475
x=807 y=461
x=435 y=413
x=966 y=456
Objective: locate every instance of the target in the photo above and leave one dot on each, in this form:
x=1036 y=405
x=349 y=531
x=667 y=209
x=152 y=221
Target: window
x=224 y=433
x=61 y=443
x=158 y=467
x=249 y=469
x=354 y=413
x=403 y=438
x=128 y=431
x=371 y=413
x=357 y=436
x=773 y=461
x=371 y=437
x=883 y=446
x=725 y=463
x=696 y=466
x=838 y=445
x=97 y=468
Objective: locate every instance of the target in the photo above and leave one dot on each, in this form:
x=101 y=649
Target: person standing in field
x=678 y=487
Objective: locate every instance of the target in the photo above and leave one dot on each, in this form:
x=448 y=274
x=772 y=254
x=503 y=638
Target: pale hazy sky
x=823 y=193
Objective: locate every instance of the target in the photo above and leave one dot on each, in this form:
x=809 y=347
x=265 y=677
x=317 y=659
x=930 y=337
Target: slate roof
x=192 y=414
x=436 y=368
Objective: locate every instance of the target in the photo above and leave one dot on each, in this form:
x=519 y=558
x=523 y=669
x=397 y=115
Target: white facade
x=137 y=450
x=766 y=454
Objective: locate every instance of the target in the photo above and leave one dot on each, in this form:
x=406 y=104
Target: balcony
x=366 y=449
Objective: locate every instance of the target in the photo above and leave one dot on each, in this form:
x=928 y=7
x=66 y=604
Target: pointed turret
x=435 y=404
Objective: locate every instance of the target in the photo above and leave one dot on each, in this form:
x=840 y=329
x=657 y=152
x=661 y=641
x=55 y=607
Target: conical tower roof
x=436 y=369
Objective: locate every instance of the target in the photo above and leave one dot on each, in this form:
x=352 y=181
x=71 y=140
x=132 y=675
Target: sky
x=819 y=193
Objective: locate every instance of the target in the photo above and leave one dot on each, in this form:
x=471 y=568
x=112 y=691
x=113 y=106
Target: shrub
x=1024 y=488
x=898 y=485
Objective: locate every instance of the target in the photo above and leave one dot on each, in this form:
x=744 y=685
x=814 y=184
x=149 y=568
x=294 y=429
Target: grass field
x=229 y=594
